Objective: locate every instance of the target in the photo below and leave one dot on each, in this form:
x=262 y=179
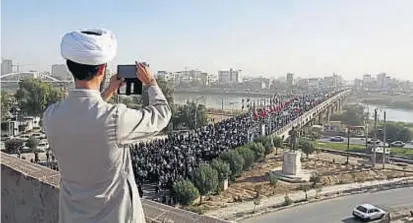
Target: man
x=89 y=135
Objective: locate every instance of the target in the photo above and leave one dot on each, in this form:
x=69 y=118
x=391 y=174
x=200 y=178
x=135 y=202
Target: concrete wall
x=30 y=193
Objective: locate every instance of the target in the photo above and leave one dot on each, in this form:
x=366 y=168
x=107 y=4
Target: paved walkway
x=233 y=209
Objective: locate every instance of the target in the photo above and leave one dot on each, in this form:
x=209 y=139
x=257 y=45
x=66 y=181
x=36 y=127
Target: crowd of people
x=162 y=162
x=165 y=161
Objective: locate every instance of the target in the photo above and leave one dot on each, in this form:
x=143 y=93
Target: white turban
x=91 y=46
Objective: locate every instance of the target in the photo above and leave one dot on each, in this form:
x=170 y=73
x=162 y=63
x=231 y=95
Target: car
x=337 y=139
x=397 y=144
x=367 y=212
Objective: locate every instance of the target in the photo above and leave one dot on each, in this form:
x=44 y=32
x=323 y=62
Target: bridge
x=15 y=78
x=30 y=192
x=317 y=115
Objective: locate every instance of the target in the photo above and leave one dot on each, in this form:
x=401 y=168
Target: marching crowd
x=165 y=161
x=162 y=162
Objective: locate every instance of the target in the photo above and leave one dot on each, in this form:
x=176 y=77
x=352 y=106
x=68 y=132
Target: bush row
x=209 y=178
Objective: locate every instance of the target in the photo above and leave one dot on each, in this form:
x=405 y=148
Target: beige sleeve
x=133 y=124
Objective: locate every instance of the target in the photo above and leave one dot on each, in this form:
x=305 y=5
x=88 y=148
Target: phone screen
x=133 y=86
x=127 y=71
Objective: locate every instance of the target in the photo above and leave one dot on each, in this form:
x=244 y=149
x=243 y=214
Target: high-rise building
x=290 y=79
x=229 y=76
x=6 y=66
x=60 y=71
x=381 y=81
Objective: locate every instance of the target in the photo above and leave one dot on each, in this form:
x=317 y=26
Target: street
x=339 y=210
x=357 y=141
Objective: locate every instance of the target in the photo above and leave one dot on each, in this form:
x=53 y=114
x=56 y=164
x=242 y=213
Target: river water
x=229 y=102
x=392 y=114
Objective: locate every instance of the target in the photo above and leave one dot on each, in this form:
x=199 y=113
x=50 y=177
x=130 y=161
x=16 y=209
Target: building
x=382 y=81
x=6 y=66
x=358 y=84
x=204 y=79
x=60 y=72
x=314 y=82
x=229 y=76
x=290 y=79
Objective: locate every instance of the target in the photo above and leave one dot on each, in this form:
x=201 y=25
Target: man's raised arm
x=133 y=124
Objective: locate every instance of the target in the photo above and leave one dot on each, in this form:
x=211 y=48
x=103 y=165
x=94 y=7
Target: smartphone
x=132 y=84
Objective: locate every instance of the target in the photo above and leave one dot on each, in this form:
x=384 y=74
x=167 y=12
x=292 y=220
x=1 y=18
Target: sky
x=260 y=37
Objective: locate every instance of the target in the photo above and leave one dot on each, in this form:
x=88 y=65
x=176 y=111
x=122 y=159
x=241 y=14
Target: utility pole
x=348 y=143
x=384 y=142
x=374 y=139
x=366 y=126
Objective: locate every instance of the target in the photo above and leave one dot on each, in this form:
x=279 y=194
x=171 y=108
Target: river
x=228 y=102
x=392 y=114
x=235 y=102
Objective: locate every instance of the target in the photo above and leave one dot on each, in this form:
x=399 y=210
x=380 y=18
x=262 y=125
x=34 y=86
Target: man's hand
x=145 y=75
x=113 y=87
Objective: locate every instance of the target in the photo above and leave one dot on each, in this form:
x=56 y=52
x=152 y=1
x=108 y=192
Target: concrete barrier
x=30 y=193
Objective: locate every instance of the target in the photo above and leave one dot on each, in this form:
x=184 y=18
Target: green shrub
x=186 y=192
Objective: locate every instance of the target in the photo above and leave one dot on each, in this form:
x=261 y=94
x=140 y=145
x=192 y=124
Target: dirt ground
x=332 y=173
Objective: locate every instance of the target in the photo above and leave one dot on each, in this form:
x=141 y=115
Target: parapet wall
x=30 y=193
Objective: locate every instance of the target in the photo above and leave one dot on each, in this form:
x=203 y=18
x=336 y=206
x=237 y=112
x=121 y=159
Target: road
x=339 y=209
x=357 y=141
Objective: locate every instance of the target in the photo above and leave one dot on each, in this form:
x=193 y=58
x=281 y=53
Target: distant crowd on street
x=162 y=162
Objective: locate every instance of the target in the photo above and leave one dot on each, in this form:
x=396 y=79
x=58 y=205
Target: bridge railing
x=312 y=111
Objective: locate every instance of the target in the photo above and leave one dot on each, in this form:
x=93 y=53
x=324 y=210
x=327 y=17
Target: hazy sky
x=262 y=37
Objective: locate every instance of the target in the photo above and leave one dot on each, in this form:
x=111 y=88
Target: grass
x=360 y=148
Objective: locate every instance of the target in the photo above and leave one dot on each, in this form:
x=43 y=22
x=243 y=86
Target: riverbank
x=391 y=101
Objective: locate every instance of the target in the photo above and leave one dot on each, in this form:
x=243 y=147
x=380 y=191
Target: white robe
x=88 y=137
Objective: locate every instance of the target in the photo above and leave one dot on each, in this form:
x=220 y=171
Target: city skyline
x=270 y=39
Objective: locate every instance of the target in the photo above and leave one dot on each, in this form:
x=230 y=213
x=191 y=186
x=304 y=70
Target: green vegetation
x=205 y=179
x=12 y=145
x=185 y=192
x=34 y=96
x=306 y=146
x=351 y=115
x=5 y=104
x=361 y=148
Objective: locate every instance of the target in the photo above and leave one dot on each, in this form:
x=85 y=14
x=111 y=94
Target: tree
x=184 y=115
x=395 y=132
x=222 y=168
x=166 y=88
x=352 y=115
x=307 y=147
x=258 y=149
x=315 y=178
x=305 y=188
x=269 y=145
x=205 y=179
x=248 y=155
x=278 y=143
x=235 y=161
x=5 y=104
x=185 y=192
x=12 y=145
x=32 y=143
x=33 y=96
x=273 y=179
